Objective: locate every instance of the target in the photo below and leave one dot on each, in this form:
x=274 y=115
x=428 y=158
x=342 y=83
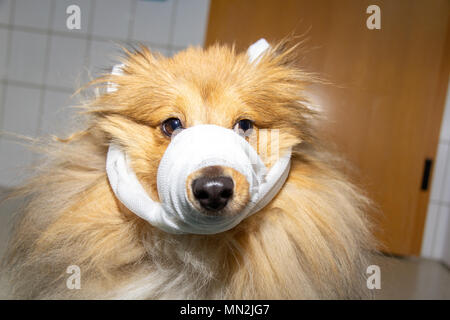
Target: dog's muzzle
x=190 y=150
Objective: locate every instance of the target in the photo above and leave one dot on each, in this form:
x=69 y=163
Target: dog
x=313 y=240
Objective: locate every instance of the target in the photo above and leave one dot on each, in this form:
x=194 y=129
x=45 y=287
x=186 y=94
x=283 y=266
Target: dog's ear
x=256 y=50
x=283 y=53
x=116 y=71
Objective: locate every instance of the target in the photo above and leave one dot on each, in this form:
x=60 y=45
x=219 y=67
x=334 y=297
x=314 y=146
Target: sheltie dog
x=312 y=241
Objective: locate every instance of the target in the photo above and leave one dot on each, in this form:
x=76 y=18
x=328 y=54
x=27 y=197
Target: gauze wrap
x=190 y=150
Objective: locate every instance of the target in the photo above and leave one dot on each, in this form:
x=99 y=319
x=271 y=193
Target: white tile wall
x=442 y=228
x=41 y=61
x=102 y=55
x=15 y=159
x=35 y=14
x=153 y=21
x=58 y=114
x=436 y=239
x=445 y=129
x=2 y=87
x=440 y=165
x=445 y=193
x=3 y=50
x=429 y=232
x=21 y=110
x=5 y=6
x=27 y=58
x=446 y=254
x=165 y=50
x=67 y=61
x=112 y=18
x=190 y=22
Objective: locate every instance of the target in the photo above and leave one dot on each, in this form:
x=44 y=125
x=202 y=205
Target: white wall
x=436 y=239
x=42 y=62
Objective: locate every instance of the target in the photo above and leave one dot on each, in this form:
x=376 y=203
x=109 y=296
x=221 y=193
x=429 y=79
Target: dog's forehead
x=208 y=86
x=216 y=85
x=209 y=102
x=211 y=69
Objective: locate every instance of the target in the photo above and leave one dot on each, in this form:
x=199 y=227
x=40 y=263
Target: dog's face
x=158 y=96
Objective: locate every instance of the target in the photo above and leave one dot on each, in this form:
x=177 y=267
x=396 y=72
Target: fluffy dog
x=311 y=241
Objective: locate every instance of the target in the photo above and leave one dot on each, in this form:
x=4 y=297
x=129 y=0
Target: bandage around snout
x=190 y=150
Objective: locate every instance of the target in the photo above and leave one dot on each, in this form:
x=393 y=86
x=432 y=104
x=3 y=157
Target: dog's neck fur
x=273 y=254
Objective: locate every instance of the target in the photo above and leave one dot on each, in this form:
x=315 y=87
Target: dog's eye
x=170 y=125
x=244 y=127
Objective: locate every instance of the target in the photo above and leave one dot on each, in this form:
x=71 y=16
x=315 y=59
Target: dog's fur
x=312 y=241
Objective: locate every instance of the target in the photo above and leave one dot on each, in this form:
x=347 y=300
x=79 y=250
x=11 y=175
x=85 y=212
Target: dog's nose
x=213 y=193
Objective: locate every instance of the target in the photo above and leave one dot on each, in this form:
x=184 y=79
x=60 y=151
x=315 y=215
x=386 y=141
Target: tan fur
x=312 y=241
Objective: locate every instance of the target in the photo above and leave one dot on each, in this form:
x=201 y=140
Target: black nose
x=213 y=193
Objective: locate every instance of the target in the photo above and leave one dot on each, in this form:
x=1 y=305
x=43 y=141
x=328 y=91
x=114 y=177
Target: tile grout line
x=89 y=37
x=87 y=54
x=32 y=85
x=131 y=25
x=133 y=9
x=205 y=33
x=43 y=89
x=69 y=34
x=7 y=63
x=173 y=19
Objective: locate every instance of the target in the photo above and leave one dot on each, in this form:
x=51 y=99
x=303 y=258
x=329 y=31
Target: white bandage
x=190 y=150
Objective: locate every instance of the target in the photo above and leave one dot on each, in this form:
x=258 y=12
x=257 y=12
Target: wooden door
x=385 y=109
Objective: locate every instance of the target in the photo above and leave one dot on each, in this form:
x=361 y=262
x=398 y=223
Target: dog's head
x=156 y=97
